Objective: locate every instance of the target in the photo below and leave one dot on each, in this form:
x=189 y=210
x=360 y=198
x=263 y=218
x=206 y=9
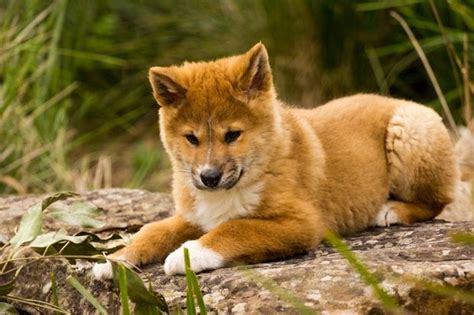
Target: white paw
x=102 y=271
x=386 y=217
x=201 y=258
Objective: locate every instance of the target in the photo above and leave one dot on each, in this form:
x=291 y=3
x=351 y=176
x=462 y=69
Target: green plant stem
x=388 y=301
x=54 y=291
x=123 y=289
x=86 y=294
x=190 y=306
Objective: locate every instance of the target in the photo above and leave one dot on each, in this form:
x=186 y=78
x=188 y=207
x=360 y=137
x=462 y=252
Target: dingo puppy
x=256 y=180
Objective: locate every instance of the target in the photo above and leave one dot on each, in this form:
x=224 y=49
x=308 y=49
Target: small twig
x=6 y=262
x=17 y=267
x=95 y=257
x=63 y=247
x=38 y=303
x=429 y=71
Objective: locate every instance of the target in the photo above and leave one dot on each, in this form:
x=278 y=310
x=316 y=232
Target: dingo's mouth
x=226 y=183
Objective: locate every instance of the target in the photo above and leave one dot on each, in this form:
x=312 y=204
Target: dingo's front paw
x=103 y=271
x=201 y=258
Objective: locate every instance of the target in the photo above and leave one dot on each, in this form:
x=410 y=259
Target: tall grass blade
x=53 y=54
x=388 y=302
x=378 y=70
x=429 y=71
x=197 y=292
x=190 y=306
x=123 y=289
x=381 y=5
x=453 y=57
x=29 y=29
x=466 y=78
x=146 y=300
x=54 y=290
x=86 y=294
x=464 y=10
x=282 y=293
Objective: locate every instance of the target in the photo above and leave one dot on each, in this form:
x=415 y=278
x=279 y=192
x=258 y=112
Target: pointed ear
x=166 y=90
x=257 y=75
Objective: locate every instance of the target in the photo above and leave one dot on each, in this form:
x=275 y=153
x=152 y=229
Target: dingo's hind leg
x=421 y=165
x=404 y=213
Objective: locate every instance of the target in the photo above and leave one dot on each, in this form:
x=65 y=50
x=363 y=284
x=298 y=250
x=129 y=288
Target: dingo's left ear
x=257 y=75
x=166 y=90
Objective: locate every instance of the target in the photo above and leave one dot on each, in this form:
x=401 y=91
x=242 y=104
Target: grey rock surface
x=322 y=279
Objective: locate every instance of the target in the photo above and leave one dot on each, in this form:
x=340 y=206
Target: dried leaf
x=32 y=220
x=30 y=226
x=80 y=214
x=56 y=197
x=79 y=244
x=48 y=239
x=99 y=238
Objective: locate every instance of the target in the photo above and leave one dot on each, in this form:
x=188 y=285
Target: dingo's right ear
x=166 y=91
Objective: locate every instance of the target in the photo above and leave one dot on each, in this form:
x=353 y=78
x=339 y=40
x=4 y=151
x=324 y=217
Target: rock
x=321 y=279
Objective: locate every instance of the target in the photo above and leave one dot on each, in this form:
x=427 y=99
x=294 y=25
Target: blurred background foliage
x=76 y=110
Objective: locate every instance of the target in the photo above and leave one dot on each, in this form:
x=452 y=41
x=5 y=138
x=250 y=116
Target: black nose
x=211 y=177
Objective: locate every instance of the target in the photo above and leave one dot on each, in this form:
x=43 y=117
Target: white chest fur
x=216 y=207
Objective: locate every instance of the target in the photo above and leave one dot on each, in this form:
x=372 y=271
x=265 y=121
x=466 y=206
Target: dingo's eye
x=231 y=136
x=192 y=139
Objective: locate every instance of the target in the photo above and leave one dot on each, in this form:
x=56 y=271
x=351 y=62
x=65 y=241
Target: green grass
x=33 y=101
x=74 y=92
x=76 y=109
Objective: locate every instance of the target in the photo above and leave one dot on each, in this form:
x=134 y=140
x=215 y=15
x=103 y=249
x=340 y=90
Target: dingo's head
x=218 y=118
